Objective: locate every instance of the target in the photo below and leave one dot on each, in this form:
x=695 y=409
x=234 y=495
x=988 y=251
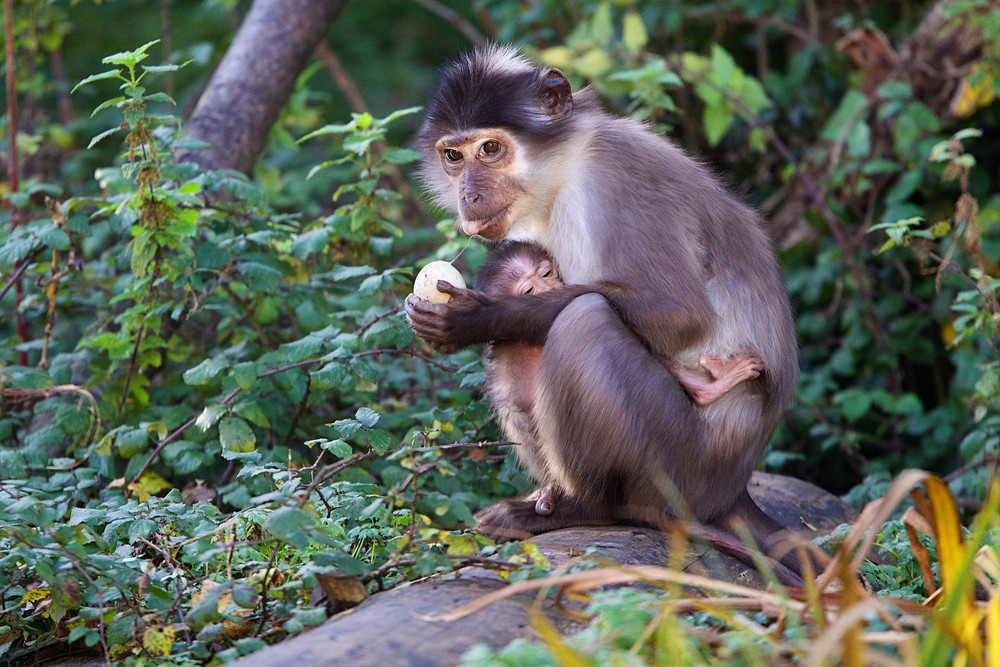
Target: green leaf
x=160 y=97
x=245 y=596
x=338 y=448
x=401 y=155
x=290 y=524
x=204 y=372
x=367 y=417
x=347 y=427
x=114 y=101
x=13 y=251
x=140 y=528
x=379 y=440
x=103 y=135
x=55 y=238
x=718 y=119
x=110 y=74
x=236 y=435
x=408 y=111
x=852 y=108
x=132 y=442
x=245 y=374
x=348 y=272
x=634 y=35
x=252 y=412
x=129 y=58
x=602 y=30
x=210 y=415
x=311 y=242
x=854 y=403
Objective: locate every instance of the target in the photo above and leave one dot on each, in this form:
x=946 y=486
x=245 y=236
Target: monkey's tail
x=767 y=533
x=728 y=543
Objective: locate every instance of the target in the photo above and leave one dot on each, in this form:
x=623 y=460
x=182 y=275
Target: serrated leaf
x=160 y=97
x=379 y=440
x=114 y=101
x=347 y=272
x=129 y=58
x=399 y=113
x=245 y=374
x=13 y=251
x=204 y=372
x=140 y=528
x=55 y=238
x=110 y=74
x=210 y=415
x=236 y=435
x=102 y=135
x=252 y=412
x=311 y=242
x=367 y=417
x=160 y=69
x=338 y=448
x=347 y=427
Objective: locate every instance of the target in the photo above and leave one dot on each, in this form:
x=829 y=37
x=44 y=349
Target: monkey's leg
x=723 y=375
x=618 y=432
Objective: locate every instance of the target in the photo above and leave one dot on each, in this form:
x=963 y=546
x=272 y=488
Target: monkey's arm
x=472 y=317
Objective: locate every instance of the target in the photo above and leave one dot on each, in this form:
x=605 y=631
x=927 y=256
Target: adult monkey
x=521 y=268
x=662 y=265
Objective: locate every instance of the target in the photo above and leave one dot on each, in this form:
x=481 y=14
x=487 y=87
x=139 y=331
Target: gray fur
x=682 y=269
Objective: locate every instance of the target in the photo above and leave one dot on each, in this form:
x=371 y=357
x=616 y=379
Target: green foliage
x=210 y=397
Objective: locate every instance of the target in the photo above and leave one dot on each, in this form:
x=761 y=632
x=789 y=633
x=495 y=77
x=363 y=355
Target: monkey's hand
x=463 y=321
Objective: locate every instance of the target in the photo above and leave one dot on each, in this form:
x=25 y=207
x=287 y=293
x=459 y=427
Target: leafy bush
x=212 y=405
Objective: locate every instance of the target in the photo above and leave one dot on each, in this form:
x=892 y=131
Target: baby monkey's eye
x=452 y=155
x=528 y=289
x=490 y=148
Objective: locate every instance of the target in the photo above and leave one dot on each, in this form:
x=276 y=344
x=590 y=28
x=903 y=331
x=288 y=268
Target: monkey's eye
x=528 y=289
x=545 y=270
x=452 y=155
x=490 y=148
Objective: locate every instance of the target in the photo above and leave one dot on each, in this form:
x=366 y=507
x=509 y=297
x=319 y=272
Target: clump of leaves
x=682 y=619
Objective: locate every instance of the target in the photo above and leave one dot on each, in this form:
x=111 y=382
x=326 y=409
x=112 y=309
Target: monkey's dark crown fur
x=492 y=87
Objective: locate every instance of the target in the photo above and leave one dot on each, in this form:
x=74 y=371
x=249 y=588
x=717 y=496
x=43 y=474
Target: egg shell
x=425 y=284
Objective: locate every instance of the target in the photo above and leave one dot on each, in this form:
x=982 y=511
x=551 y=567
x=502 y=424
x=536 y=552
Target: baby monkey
x=521 y=268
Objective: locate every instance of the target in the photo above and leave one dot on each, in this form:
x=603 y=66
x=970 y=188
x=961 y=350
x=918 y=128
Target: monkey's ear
x=557 y=96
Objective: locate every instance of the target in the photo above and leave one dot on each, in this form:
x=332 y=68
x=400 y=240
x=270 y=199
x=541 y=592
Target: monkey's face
x=537 y=278
x=483 y=169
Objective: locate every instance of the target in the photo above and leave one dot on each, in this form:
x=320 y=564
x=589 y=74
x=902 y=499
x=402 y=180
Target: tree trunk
x=255 y=78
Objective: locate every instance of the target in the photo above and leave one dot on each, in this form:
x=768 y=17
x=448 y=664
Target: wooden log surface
x=391 y=628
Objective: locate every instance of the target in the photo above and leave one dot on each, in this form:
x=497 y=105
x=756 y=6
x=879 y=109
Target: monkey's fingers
x=426 y=319
x=447 y=288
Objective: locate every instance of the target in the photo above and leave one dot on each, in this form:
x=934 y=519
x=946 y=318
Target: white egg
x=425 y=285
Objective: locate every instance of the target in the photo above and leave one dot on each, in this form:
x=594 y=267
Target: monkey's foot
x=724 y=374
x=518 y=518
x=513 y=519
x=545 y=499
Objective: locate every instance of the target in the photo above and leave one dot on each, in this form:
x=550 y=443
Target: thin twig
x=470 y=31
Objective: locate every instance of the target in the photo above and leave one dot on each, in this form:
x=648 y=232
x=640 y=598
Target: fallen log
x=394 y=627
